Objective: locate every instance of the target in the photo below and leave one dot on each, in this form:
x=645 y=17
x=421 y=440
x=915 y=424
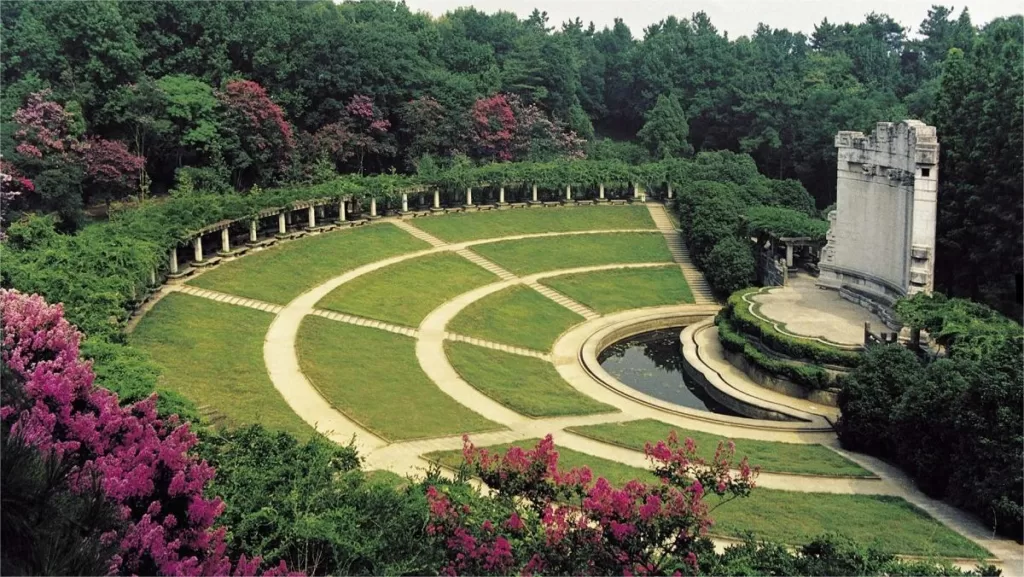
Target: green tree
x=665 y=130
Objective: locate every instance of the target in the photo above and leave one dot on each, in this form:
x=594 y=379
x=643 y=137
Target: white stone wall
x=882 y=238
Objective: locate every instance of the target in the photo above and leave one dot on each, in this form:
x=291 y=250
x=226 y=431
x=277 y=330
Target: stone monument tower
x=881 y=242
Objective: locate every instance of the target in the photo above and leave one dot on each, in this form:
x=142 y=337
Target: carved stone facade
x=881 y=239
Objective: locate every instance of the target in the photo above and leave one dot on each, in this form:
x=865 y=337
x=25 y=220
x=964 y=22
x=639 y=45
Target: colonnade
x=315 y=220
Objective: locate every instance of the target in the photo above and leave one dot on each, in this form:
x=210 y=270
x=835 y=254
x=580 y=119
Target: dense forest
x=105 y=100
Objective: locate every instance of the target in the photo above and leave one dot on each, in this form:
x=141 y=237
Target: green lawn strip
x=616 y=473
x=791 y=517
x=528 y=386
x=771 y=456
x=212 y=353
x=517 y=316
x=531 y=255
x=618 y=289
x=406 y=292
x=890 y=523
x=282 y=273
x=492 y=224
x=373 y=377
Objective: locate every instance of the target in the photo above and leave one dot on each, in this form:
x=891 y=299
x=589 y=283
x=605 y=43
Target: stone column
x=405 y=202
x=789 y=255
x=152 y=276
x=288 y=217
x=469 y=196
x=600 y=190
x=225 y=241
x=501 y=195
x=568 y=192
x=197 y=245
x=437 y=198
x=373 y=207
x=341 y=211
x=636 y=190
x=670 y=190
x=312 y=216
x=174 y=260
x=282 y=223
x=253 y=237
x=535 y=193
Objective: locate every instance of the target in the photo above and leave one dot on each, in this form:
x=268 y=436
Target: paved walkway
x=406 y=457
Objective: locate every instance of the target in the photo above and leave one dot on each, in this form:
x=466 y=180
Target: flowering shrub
x=261 y=142
x=43 y=126
x=564 y=522
x=494 y=127
x=142 y=463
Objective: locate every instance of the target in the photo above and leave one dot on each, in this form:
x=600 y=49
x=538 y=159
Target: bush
x=954 y=423
x=794 y=347
x=309 y=505
x=808 y=376
x=730 y=266
x=715 y=219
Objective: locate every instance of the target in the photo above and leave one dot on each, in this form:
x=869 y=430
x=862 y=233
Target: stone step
x=498 y=346
x=419 y=233
x=485 y=264
x=576 y=307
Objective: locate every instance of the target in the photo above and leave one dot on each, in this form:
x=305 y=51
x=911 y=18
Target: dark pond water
x=652 y=363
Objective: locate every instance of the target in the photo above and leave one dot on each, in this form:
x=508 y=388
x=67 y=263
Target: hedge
x=743 y=320
x=810 y=376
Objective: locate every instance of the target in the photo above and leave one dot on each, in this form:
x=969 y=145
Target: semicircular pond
x=652 y=363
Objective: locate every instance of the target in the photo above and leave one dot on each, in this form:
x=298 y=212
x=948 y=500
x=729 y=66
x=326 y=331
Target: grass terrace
x=517 y=316
x=213 y=354
x=461 y=227
x=533 y=255
x=771 y=456
x=528 y=386
x=889 y=523
x=406 y=292
x=615 y=290
x=373 y=377
x=283 y=272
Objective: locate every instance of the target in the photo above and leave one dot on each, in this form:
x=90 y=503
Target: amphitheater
x=408 y=331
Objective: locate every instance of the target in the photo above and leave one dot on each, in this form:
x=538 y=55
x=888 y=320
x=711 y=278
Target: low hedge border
x=809 y=376
x=743 y=320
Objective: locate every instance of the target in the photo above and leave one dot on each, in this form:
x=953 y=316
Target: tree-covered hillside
x=232 y=95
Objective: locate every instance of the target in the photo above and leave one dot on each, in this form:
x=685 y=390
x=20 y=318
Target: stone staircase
x=485 y=264
x=418 y=233
x=702 y=293
x=563 y=300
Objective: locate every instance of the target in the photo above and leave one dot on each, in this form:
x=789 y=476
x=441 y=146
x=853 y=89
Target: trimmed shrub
x=730 y=266
x=808 y=376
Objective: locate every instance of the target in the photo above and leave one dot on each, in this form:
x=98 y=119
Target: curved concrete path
x=406 y=457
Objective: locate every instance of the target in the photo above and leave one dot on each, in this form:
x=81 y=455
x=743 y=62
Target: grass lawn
x=526 y=385
x=373 y=377
x=517 y=316
x=472 y=226
x=282 y=273
x=213 y=354
x=615 y=290
x=891 y=523
x=616 y=473
x=406 y=292
x=770 y=456
x=532 y=255
x=791 y=517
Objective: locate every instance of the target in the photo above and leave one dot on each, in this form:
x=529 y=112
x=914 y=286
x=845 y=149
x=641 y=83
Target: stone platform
x=804 y=309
